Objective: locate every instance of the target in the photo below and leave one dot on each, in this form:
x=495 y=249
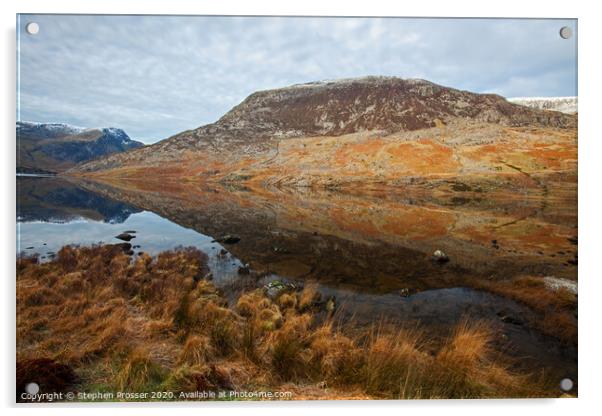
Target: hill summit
x=255 y=135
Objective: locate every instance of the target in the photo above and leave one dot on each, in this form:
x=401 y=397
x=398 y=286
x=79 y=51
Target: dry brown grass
x=140 y=372
x=557 y=308
x=152 y=323
x=473 y=368
x=197 y=350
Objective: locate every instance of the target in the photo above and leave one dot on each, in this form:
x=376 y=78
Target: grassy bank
x=95 y=320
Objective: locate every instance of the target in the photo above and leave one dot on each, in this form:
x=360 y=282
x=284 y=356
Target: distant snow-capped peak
x=52 y=126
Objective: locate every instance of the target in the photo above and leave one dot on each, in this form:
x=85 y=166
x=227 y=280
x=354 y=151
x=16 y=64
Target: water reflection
x=375 y=241
x=364 y=248
x=53 y=212
x=51 y=199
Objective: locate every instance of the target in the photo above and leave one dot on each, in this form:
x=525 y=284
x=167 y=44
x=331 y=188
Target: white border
x=590 y=140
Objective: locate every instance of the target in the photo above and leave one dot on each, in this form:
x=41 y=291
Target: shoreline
x=284 y=329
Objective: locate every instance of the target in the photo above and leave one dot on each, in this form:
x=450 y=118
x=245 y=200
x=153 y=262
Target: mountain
x=54 y=147
x=378 y=130
x=566 y=105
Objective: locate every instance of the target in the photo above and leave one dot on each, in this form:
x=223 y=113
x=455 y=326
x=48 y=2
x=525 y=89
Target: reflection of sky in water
x=153 y=234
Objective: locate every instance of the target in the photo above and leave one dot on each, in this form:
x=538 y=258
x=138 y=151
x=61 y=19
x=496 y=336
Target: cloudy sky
x=156 y=76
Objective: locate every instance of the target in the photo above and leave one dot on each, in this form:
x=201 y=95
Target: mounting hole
x=32 y=388
x=32 y=28
x=566 y=32
x=566 y=384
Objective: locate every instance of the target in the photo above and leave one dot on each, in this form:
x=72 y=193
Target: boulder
x=125 y=236
x=275 y=288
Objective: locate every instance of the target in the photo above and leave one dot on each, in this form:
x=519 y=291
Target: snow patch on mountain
x=116 y=134
x=566 y=105
x=54 y=147
x=48 y=130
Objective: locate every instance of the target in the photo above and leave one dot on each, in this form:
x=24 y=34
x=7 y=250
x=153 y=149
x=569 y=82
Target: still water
x=370 y=251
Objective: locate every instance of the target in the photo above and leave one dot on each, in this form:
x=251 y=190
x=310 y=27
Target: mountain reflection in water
x=363 y=248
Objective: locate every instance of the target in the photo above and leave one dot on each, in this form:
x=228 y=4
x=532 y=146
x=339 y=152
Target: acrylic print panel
x=294 y=208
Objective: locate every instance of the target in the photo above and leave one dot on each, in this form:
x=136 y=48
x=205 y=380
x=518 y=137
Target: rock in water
x=228 y=239
x=440 y=257
x=405 y=292
x=275 y=288
x=125 y=236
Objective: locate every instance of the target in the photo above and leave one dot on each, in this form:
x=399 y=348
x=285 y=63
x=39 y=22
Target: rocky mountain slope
x=54 y=147
x=566 y=105
x=382 y=130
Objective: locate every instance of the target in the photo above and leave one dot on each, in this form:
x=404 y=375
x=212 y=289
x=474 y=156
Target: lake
x=371 y=250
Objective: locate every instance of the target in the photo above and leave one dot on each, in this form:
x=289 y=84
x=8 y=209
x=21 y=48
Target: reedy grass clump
x=557 y=308
x=140 y=373
x=152 y=323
